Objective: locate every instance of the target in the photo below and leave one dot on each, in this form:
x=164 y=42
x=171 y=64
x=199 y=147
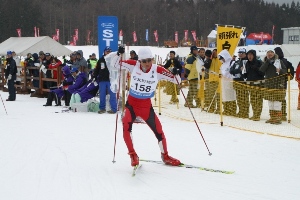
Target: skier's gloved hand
x=121 y=50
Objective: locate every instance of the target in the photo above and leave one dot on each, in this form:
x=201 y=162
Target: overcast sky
x=282 y=1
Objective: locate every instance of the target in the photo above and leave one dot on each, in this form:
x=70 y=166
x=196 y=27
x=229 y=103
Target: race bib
x=143 y=85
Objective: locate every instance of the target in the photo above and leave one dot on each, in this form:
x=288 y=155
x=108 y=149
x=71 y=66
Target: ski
x=135 y=169
x=191 y=167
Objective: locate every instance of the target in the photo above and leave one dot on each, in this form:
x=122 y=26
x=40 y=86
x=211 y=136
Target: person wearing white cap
x=274 y=68
x=236 y=70
x=144 y=79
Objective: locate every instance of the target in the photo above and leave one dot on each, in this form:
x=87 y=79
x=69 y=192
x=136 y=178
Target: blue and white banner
x=147 y=37
x=107 y=33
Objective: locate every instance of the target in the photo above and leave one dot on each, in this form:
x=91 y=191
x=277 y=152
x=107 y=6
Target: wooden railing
x=26 y=81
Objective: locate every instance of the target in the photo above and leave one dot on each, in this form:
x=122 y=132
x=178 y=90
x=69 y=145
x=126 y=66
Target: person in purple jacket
x=80 y=80
x=88 y=91
x=59 y=92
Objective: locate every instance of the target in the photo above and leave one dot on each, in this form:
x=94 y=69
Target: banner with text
x=228 y=38
x=108 y=33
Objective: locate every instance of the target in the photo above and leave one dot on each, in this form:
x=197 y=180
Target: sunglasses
x=146 y=60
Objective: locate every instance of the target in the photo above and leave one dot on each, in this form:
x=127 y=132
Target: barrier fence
x=252 y=97
x=252 y=101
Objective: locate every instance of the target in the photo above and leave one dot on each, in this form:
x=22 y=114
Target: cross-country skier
x=144 y=79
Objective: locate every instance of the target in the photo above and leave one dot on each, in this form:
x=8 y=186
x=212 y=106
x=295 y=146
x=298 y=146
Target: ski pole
x=209 y=153
x=118 y=96
x=3 y=104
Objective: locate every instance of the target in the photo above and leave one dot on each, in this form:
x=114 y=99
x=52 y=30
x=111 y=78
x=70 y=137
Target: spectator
x=92 y=62
x=88 y=91
x=80 y=80
x=174 y=66
x=28 y=62
x=101 y=74
x=191 y=74
x=201 y=54
x=254 y=77
x=273 y=68
x=72 y=59
x=228 y=93
x=133 y=55
x=18 y=64
x=54 y=65
x=241 y=94
x=35 y=72
x=212 y=96
x=81 y=63
x=207 y=63
x=59 y=92
x=46 y=63
x=291 y=70
x=10 y=76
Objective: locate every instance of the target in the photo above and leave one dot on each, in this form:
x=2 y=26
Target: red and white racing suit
x=142 y=88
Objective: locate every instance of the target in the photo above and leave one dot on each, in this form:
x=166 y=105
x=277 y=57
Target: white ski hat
x=144 y=53
x=270 y=49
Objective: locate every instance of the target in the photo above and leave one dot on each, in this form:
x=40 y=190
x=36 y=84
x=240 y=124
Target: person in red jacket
x=298 y=80
x=54 y=65
x=144 y=78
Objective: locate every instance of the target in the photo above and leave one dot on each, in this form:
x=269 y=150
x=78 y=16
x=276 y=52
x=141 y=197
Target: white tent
x=212 y=34
x=24 y=45
x=183 y=51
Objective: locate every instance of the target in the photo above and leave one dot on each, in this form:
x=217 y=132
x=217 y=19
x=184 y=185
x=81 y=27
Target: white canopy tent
x=183 y=51
x=24 y=45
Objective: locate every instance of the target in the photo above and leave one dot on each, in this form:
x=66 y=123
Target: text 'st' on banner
x=228 y=38
x=107 y=33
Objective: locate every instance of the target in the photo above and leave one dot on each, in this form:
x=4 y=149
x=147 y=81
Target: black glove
x=121 y=50
x=186 y=75
x=175 y=71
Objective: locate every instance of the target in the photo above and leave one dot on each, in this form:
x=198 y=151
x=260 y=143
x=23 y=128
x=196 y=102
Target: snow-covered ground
x=46 y=154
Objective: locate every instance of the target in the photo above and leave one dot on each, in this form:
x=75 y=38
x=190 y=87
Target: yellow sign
x=228 y=38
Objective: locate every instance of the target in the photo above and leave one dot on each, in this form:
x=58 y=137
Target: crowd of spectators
x=82 y=79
